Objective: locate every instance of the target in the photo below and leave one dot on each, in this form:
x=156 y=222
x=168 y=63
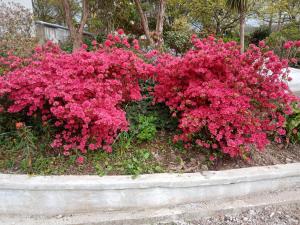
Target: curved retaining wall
x=53 y=195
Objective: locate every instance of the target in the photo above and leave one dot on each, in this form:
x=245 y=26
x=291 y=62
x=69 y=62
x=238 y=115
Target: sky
x=253 y=22
x=26 y=3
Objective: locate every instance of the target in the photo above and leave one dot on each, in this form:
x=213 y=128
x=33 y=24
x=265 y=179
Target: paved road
x=295 y=83
x=288 y=214
x=280 y=207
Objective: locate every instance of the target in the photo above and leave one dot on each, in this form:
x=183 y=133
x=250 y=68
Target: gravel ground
x=270 y=215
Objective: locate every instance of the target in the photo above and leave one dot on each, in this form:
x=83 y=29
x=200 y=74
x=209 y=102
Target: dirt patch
x=196 y=160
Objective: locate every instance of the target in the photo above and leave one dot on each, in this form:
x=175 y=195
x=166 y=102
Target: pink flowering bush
x=79 y=93
x=223 y=99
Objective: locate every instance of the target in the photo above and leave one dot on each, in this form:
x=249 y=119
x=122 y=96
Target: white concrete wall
x=53 y=195
x=51 y=32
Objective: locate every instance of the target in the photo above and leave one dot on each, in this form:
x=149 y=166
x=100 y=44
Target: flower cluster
x=80 y=93
x=224 y=99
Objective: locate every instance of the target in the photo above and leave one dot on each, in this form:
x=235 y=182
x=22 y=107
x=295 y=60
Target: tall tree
x=52 y=11
x=209 y=16
x=241 y=7
x=278 y=12
x=155 y=38
x=214 y=16
x=49 y=11
x=76 y=31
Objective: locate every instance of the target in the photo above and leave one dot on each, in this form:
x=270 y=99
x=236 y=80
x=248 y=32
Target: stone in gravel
x=293 y=221
x=251 y=212
x=228 y=218
x=59 y=216
x=204 y=167
x=288 y=160
x=272 y=214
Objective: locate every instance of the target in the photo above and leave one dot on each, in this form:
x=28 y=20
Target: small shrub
x=224 y=99
x=80 y=93
x=293 y=125
x=277 y=40
x=145 y=107
x=179 y=37
x=178 y=41
x=259 y=34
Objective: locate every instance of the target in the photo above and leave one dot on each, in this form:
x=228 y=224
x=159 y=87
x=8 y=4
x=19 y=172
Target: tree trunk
x=242 y=32
x=76 y=34
x=271 y=21
x=144 y=21
x=160 y=23
x=77 y=41
x=218 y=29
x=279 y=21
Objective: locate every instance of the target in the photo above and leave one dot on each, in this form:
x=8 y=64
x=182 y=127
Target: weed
x=140 y=162
x=146 y=129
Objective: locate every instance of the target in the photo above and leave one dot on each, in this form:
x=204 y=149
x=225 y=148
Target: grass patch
x=135 y=161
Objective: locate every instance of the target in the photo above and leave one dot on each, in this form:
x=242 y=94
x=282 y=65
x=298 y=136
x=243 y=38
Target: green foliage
x=145 y=120
x=145 y=107
x=209 y=16
x=293 y=125
x=21 y=152
x=67 y=46
x=138 y=163
x=231 y=38
x=289 y=32
x=178 y=38
x=52 y=11
x=259 y=34
x=239 y=6
x=23 y=140
x=124 y=141
x=163 y=120
x=146 y=129
x=107 y=16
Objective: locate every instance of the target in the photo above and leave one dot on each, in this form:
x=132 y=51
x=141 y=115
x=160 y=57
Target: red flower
x=19 y=125
x=80 y=160
x=212 y=158
x=281 y=131
x=120 y=31
x=288 y=44
x=108 y=43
